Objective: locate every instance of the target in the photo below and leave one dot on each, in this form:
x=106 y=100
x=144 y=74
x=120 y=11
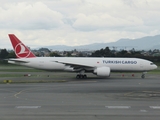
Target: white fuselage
x=67 y=63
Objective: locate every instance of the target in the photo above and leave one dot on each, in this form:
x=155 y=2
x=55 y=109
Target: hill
x=145 y=43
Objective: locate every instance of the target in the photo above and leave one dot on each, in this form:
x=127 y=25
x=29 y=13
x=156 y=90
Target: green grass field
x=16 y=68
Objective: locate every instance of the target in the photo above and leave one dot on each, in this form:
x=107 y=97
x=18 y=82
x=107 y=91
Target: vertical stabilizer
x=20 y=49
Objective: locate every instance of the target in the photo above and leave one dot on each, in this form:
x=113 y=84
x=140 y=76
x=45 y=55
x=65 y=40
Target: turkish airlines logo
x=21 y=51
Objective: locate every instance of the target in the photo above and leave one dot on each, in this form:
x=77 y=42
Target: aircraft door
x=141 y=65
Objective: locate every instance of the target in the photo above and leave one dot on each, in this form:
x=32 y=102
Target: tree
x=11 y=54
x=54 y=54
x=3 y=54
x=103 y=53
x=123 y=53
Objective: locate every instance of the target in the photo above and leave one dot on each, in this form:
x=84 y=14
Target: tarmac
x=115 y=98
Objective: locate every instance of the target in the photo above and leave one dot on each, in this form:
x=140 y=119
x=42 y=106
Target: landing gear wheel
x=79 y=76
x=143 y=76
x=84 y=76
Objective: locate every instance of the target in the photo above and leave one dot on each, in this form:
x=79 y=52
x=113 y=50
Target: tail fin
x=20 y=49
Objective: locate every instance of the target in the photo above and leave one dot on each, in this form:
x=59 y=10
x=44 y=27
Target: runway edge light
x=7 y=81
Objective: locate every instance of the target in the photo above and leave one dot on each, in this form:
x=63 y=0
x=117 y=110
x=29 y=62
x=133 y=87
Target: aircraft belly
x=45 y=65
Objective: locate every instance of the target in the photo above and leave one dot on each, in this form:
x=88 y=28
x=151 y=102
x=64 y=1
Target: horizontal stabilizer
x=17 y=61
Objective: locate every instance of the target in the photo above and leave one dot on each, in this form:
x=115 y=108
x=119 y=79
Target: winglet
x=20 y=49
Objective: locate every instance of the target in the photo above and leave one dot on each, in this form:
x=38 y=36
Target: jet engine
x=102 y=71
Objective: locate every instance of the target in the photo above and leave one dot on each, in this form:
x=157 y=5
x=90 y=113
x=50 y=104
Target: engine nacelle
x=102 y=71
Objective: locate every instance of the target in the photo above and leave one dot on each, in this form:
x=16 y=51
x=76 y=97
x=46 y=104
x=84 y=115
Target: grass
x=10 y=75
x=20 y=70
x=157 y=63
x=32 y=81
x=16 y=68
x=155 y=72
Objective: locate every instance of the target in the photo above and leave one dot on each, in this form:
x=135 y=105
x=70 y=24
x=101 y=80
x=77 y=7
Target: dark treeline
x=123 y=53
x=4 y=54
x=112 y=53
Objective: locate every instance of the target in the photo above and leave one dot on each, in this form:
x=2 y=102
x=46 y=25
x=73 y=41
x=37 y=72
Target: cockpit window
x=151 y=63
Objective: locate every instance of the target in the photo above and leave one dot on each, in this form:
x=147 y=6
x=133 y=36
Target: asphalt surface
x=123 y=98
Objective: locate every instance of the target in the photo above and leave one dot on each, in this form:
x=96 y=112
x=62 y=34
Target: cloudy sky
x=41 y=23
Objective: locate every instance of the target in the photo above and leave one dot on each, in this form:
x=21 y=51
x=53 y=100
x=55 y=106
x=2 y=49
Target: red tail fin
x=20 y=49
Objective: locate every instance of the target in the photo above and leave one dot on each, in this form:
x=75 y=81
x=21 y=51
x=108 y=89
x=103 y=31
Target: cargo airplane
x=101 y=66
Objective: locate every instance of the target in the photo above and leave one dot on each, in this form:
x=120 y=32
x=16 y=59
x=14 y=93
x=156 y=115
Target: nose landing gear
x=143 y=75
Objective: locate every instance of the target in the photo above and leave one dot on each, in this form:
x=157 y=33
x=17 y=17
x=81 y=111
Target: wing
x=77 y=66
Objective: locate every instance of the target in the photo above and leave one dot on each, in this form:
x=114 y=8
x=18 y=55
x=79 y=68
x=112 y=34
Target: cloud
x=104 y=21
x=25 y=15
x=77 y=22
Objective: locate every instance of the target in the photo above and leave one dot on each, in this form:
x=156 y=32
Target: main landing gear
x=80 y=76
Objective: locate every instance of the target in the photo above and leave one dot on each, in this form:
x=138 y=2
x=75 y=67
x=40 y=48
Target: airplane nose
x=156 y=66
x=153 y=67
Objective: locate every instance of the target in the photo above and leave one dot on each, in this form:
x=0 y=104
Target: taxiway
x=90 y=99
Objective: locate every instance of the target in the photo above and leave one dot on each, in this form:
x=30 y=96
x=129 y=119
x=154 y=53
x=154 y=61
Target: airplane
x=101 y=66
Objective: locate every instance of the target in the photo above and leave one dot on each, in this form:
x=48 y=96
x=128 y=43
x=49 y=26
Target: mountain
x=145 y=43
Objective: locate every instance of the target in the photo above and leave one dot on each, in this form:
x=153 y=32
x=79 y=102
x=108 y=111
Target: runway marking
x=127 y=94
x=156 y=92
x=28 y=107
x=154 y=107
x=83 y=81
x=118 y=107
x=16 y=95
x=143 y=110
x=89 y=81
